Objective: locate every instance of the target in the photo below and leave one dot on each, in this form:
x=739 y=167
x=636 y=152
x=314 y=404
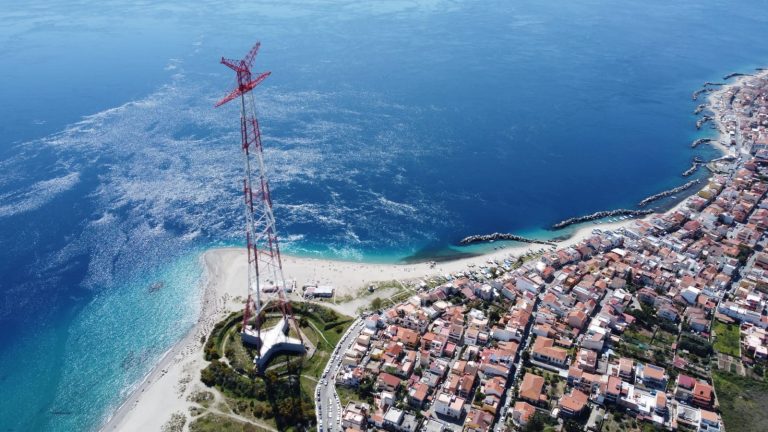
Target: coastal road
x=328 y=408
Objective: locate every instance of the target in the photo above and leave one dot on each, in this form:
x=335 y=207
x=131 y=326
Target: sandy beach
x=166 y=388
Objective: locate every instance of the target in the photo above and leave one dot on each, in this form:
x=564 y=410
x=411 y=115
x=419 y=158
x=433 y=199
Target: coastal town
x=625 y=330
x=654 y=323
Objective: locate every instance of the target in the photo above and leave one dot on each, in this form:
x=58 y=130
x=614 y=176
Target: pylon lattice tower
x=265 y=270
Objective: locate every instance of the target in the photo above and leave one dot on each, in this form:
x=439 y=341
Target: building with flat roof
x=272 y=342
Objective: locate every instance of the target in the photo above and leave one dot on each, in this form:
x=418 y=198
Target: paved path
x=328 y=408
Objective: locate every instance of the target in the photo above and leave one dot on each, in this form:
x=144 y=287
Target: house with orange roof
x=522 y=413
x=573 y=404
x=387 y=382
x=494 y=386
x=703 y=395
x=543 y=350
x=613 y=389
x=577 y=319
x=531 y=389
x=417 y=395
x=652 y=376
x=466 y=385
x=408 y=337
x=478 y=421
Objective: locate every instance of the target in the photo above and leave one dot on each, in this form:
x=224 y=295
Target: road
x=514 y=378
x=328 y=408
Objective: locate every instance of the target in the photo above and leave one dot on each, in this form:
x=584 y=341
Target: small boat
x=156 y=286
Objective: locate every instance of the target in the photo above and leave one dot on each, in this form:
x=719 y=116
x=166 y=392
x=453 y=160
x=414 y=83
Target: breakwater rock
x=700 y=122
x=692 y=169
x=600 y=215
x=733 y=75
x=667 y=193
x=502 y=236
x=708 y=83
x=700 y=141
x=698 y=92
x=699 y=108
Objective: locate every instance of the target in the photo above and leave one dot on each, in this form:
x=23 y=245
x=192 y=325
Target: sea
x=392 y=129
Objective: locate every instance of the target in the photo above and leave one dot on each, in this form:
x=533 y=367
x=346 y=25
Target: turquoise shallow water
x=393 y=129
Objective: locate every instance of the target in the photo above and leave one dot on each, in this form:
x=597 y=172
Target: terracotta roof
x=495 y=386
x=545 y=346
x=709 y=416
x=685 y=381
x=531 y=387
x=614 y=385
x=408 y=336
x=525 y=409
x=421 y=392
x=389 y=380
x=653 y=372
x=575 y=401
x=702 y=391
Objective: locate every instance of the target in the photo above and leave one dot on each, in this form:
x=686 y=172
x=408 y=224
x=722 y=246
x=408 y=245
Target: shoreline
x=129 y=414
x=164 y=389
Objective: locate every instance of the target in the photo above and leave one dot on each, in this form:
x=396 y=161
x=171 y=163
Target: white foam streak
x=37 y=195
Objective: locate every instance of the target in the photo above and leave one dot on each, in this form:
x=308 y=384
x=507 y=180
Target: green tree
x=376 y=303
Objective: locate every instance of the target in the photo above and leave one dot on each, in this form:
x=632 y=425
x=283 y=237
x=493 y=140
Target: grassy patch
x=727 y=338
x=284 y=396
x=638 y=335
x=219 y=423
x=742 y=402
x=664 y=338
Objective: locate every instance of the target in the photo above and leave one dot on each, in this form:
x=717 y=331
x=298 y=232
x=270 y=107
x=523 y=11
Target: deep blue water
x=393 y=128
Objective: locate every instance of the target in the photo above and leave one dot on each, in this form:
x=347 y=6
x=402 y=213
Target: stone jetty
x=698 y=92
x=600 y=215
x=733 y=75
x=667 y=193
x=700 y=122
x=692 y=169
x=699 y=108
x=502 y=236
x=701 y=141
x=726 y=158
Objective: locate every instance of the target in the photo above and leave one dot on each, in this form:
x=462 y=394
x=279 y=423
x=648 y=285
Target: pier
x=600 y=215
x=667 y=193
x=502 y=236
